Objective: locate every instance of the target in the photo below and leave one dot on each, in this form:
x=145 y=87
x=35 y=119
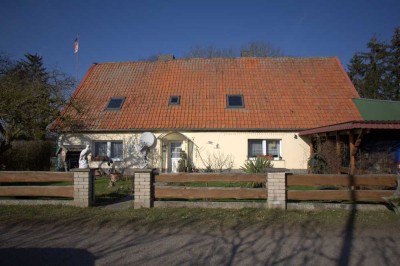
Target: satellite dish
x=148 y=139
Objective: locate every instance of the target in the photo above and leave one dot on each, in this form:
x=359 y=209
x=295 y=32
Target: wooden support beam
x=357 y=144
x=352 y=153
x=338 y=149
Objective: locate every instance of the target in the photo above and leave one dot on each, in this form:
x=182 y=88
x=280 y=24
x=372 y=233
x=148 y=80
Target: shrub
x=260 y=165
x=318 y=164
x=218 y=162
x=29 y=156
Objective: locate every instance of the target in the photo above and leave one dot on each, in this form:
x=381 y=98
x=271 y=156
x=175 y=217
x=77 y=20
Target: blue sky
x=112 y=31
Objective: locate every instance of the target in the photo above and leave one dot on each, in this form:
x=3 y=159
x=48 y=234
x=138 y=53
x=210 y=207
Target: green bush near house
x=260 y=165
x=318 y=164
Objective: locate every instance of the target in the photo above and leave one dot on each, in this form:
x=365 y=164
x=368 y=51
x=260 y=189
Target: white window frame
x=265 y=149
x=116 y=159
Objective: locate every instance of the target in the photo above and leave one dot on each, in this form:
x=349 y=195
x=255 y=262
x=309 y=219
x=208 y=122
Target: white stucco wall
x=295 y=151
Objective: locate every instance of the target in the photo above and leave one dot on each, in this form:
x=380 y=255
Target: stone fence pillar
x=276 y=184
x=144 y=188
x=84 y=192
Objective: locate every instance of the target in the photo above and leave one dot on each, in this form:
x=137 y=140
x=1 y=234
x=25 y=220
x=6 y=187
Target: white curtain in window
x=116 y=149
x=255 y=148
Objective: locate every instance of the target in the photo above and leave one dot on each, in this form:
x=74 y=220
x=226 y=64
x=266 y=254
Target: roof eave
x=353 y=125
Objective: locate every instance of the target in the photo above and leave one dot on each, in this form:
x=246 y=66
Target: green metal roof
x=378 y=110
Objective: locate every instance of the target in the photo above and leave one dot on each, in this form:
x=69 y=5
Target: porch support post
x=339 y=150
x=352 y=153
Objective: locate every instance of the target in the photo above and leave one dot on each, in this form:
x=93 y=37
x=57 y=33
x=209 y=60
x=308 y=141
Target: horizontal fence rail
x=18 y=190
x=341 y=180
x=29 y=176
x=210 y=193
x=348 y=194
x=193 y=177
x=38 y=191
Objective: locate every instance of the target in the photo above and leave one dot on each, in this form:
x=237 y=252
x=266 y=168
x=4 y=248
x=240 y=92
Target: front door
x=175 y=155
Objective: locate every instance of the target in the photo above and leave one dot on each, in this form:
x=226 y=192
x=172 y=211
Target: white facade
x=200 y=148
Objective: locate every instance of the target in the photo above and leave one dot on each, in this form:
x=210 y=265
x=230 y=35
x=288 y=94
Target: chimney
x=165 y=57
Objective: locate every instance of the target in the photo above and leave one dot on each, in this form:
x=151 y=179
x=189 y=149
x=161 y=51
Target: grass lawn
x=195 y=218
x=107 y=194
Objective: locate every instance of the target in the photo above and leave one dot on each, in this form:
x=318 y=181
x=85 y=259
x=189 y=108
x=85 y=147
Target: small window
x=108 y=149
x=234 y=101
x=174 y=100
x=115 y=103
x=100 y=148
x=266 y=147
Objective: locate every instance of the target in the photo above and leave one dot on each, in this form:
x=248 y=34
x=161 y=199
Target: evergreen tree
x=30 y=99
x=376 y=73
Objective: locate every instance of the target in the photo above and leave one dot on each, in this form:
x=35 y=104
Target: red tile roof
x=279 y=94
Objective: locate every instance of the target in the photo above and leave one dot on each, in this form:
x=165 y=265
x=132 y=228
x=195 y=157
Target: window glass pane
x=100 y=149
x=273 y=147
x=116 y=149
x=174 y=100
x=235 y=101
x=115 y=103
x=255 y=148
x=176 y=149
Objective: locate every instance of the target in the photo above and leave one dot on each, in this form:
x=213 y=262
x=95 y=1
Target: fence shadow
x=126 y=243
x=45 y=256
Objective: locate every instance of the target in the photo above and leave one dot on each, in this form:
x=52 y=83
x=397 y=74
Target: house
x=214 y=113
x=369 y=145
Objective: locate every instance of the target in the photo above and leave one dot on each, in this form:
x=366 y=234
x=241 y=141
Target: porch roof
x=390 y=125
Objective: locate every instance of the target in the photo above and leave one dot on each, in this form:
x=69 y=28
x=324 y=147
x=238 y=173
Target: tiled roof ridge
x=280 y=58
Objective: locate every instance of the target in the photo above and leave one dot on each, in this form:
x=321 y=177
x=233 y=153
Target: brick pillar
x=83 y=187
x=144 y=182
x=276 y=190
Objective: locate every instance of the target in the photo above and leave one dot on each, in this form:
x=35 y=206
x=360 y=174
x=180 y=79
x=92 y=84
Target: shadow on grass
x=45 y=256
x=348 y=232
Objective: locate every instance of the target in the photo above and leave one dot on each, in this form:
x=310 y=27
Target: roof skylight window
x=115 y=103
x=234 y=101
x=175 y=100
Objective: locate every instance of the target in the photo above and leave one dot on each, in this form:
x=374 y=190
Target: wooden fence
x=15 y=189
x=170 y=186
x=328 y=188
x=26 y=187
x=357 y=188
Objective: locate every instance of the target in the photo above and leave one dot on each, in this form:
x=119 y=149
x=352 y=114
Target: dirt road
x=277 y=245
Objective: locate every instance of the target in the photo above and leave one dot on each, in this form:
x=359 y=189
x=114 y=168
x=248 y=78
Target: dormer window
x=234 y=101
x=115 y=103
x=175 y=100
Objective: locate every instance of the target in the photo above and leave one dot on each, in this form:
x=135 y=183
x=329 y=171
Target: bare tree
x=210 y=52
x=252 y=49
x=260 y=49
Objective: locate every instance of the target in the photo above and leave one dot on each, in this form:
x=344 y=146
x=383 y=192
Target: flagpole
x=76 y=66
x=76 y=48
